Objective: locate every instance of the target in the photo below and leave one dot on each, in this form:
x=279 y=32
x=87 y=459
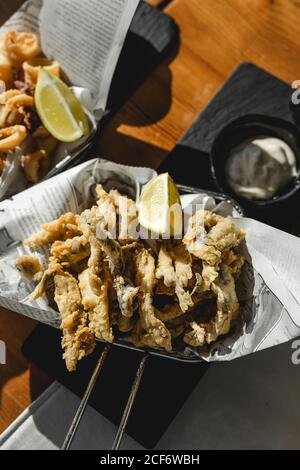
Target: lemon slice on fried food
x=58 y=108
x=160 y=208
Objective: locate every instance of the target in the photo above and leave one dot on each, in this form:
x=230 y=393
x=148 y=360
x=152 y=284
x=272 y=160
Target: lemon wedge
x=160 y=208
x=58 y=108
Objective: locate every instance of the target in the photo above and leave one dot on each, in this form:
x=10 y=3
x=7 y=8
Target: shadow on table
x=156 y=406
x=13 y=334
x=150 y=103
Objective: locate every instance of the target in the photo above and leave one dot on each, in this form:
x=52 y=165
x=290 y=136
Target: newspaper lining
x=267 y=289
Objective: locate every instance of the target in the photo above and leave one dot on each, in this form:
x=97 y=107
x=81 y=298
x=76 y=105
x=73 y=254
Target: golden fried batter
x=78 y=341
x=175 y=268
x=61 y=229
x=184 y=273
x=53 y=267
x=145 y=278
x=29 y=268
x=71 y=251
x=106 y=211
x=93 y=284
x=209 y=235
x=196 y=336
x=234 y=261
x=127 y=213
x=227 y=310
x=15 y=109
x=20 y=46
x=165 y=269
x=126 y=292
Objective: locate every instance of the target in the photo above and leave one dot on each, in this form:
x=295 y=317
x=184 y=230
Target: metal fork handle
x=79 y=413
x=133 y=393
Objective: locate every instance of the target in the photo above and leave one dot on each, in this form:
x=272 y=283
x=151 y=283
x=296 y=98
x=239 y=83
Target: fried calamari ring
x=32 y=164
x=6 y=95
x=6 y=71
x=20 y=46
x=13 y=111
x=32 y=67
x=11 y=137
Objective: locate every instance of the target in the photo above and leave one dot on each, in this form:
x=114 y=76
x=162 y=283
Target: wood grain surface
x=215 y=36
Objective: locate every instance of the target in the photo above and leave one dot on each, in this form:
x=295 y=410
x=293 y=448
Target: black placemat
x=249 y=90
x=151 y=37
x=165 y=386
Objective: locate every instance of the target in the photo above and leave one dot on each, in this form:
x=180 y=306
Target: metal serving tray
x=144 y=352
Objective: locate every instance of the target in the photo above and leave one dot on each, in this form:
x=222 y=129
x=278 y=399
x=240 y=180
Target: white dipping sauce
x=260 y=168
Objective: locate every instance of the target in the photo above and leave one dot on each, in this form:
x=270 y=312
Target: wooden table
x=215 y=36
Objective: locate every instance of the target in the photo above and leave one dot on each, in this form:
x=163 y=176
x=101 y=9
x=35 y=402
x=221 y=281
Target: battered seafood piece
x=5 y=96
x=29 y=268
x=227 y=305
x=209 y=235
x=53 y=267
x=93 y=284
x=71 y=251
x=11 y=137
x=172 y=311
x=78 y=341
x=124 y=324
x=177 y=326
x=145 y=278
x=106 y=211
x=61 y=229
x=6 y=70
x=234 y=261
x=14 y=112
x=175 y=268
x=141 y=339
x=209 y=275
x=165 y=269
x=126 y=292
x=32 y=67
x=184 y=273
x=183 y=264
x=128 y=215
x=20 y=46
x=196 y=336
x=155 y=292
x=227 y=310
